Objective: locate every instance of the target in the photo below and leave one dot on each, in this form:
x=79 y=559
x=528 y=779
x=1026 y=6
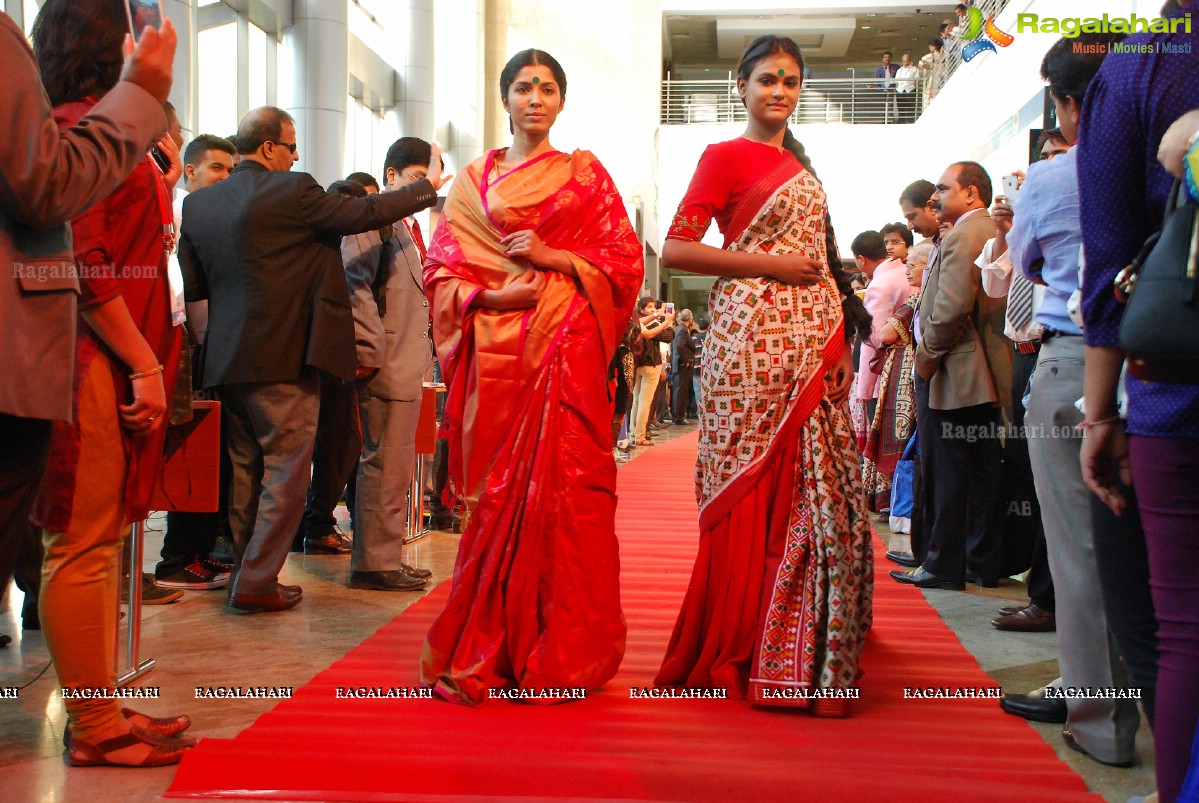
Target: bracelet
x=1100 y=423
x=158 y=369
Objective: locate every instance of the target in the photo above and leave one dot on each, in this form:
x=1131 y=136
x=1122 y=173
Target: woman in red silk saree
x=535 y=602
x=780 y=596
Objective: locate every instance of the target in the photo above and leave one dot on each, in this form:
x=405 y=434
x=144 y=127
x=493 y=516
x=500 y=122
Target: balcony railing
x=827 y=100
x=823 y=100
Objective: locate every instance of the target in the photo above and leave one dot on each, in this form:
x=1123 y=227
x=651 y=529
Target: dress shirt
x=886 y=72
x=997 y=279
x=1045 y=236
x=906 y=79
x=1129 y=105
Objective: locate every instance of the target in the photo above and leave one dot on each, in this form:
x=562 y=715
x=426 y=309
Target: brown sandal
x=99 y=754
x=160 y=726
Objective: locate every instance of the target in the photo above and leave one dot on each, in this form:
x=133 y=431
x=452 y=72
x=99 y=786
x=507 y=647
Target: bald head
x=267 y=135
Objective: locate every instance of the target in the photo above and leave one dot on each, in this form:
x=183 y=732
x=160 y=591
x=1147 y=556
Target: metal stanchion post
x=416 y=503
x=132 y=669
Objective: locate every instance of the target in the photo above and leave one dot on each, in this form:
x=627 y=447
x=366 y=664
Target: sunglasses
x=291 y=146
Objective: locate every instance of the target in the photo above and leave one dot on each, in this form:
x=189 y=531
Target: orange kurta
x=535 y=601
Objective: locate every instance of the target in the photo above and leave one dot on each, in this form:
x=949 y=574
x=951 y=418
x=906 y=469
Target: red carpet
x=316 y=747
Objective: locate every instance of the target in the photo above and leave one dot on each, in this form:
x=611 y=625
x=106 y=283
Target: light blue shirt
x=1046 y=225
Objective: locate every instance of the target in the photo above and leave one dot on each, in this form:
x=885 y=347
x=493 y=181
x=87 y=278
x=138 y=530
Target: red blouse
x=726 y=174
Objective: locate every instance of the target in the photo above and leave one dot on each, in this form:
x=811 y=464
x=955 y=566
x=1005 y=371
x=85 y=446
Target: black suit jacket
x=264 y=248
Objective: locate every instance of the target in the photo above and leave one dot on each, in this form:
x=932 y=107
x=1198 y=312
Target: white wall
x=612 y=54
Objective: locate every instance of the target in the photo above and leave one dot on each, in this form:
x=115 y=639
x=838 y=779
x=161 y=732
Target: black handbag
x=1160 y=329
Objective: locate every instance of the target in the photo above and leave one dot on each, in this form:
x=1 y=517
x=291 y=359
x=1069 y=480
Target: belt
x=1027 y=346
x=1049 y=334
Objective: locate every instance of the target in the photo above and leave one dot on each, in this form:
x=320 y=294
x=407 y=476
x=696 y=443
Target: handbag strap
x=1126 y=279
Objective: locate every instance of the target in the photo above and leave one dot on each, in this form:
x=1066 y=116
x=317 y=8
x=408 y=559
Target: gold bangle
x=158 y=369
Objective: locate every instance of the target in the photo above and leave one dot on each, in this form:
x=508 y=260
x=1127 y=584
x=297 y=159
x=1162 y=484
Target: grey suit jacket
x=47 y=178
x=264 y=248
x=396 y=341
x=962 y=343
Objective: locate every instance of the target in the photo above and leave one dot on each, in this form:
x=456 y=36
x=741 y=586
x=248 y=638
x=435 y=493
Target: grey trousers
x=1088 y=657
x=384 y=479
x=270 y=429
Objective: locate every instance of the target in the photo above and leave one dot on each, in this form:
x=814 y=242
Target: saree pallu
x=780 y=596
x=535 y=601
x=895 y=416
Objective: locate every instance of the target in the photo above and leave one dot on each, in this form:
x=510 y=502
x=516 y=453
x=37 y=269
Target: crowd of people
x=1016 y=313
x=314 y=316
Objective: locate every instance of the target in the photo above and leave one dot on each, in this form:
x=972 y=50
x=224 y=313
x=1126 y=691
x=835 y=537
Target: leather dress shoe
x=923 y=579
x=278 y=600
x=1034 y=706
x=328 y=544
x=1029 y=619
x=386 y=581
x=1008 y=610
x=1073 y=744
x=902 y=558
x=412 y=571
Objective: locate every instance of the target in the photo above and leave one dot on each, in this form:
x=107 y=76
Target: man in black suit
x=263 y=247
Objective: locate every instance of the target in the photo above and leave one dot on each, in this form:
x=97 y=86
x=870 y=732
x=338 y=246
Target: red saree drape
x=779 y=599
x=535 y=601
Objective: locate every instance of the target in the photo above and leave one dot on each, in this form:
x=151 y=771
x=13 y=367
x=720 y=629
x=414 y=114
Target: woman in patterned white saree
x=780 y=597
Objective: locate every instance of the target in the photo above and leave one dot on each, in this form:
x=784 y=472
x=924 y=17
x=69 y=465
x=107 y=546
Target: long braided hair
x=858 y=323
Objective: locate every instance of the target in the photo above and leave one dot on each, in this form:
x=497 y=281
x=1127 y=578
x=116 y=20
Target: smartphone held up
x=143 y=14
x=1011 y=188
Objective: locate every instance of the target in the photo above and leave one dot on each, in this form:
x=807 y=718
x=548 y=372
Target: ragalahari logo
x=982 y=36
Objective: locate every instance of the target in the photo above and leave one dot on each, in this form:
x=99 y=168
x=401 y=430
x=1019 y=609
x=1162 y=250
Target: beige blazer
x=47 y=178
x=962 y=344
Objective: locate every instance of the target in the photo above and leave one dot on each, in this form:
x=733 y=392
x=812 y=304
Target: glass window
x=258 y=45
x=218 y=80
x=368 y=136
x=29 y=10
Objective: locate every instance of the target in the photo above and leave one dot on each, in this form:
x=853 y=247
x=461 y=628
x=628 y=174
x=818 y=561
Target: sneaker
x=216 y=566
x=194 y=578
x=222 y=551
x=152 y=593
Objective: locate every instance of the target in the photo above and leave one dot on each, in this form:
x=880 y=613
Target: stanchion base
x=423 y=533
x=133 y=673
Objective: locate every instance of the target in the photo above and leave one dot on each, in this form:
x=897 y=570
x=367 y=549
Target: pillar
x=318 y=44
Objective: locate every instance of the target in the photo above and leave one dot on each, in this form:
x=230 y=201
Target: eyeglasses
x=412 y=176
x=291 y=146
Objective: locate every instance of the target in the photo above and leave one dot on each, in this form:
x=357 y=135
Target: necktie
x=414 y=230
x=1019 y=301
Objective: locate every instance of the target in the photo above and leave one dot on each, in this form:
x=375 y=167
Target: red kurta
x=119 y=251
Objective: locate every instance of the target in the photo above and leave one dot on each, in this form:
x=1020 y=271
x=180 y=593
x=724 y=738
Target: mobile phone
x=670 y=308
x=160 y=158
x=1011 y=188
x=143 y=13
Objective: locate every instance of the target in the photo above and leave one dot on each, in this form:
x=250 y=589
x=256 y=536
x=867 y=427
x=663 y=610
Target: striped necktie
x=1019 y=301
